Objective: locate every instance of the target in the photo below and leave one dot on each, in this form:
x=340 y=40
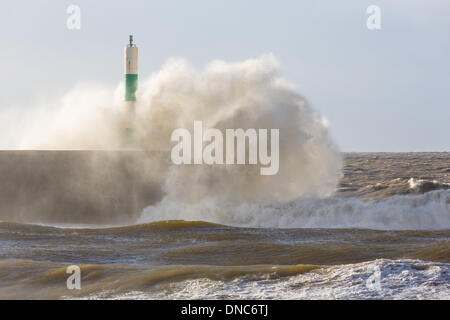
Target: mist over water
x=85 y=118
x=248 y=94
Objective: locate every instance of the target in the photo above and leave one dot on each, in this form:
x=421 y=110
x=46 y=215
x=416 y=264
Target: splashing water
x=248 y=94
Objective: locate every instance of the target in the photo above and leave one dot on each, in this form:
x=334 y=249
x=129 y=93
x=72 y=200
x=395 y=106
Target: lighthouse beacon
x=131 y=84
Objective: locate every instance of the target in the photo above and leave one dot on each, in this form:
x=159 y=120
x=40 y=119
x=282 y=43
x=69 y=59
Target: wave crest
x=427 y=211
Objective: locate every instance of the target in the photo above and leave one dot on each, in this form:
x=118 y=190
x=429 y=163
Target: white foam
x=418 y=212
x=417 y=183
x=414 y=183
x=378 y=279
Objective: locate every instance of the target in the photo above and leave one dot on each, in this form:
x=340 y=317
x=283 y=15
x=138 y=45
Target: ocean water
x=383 y=234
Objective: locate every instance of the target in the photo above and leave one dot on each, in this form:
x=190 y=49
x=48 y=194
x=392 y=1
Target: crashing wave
x=427 y=211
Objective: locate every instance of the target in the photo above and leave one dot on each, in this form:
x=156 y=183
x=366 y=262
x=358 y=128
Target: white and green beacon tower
x=131 y=84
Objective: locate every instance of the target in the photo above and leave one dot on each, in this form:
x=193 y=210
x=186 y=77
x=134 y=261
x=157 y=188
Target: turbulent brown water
x=384 y=234
x=376 y=176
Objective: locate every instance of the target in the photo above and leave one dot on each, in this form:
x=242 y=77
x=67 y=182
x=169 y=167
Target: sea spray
x=85 y=118
x=248 y=94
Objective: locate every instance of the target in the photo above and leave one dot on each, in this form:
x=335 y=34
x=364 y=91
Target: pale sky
x=381 y=90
